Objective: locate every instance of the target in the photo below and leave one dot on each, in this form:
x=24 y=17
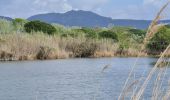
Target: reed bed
x=24 y=46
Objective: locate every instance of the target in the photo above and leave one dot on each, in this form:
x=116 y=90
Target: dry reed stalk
x=156 y=89
x=130 y=88
x=160 y=75
x=161 y=83
x=143 y=87
x=167 y=95
x=153 y=28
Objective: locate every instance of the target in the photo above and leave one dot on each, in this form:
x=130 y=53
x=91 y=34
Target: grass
x=69 y=42
x=138 y=86
x=77 y=42
x=65 y=43
x=25 y=46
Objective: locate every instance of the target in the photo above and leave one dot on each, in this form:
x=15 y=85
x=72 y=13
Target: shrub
x=84 y=49
x=39 y=26
x=6 y=56
x=168 y=25
x=109 y=34
x=90 y=33
x=43 y=53
x=19 y=24
x=160 y=41
x=137 y=32
x=72 y=33
x=5 y=26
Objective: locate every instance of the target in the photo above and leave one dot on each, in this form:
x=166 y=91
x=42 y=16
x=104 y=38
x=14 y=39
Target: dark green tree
x=160 y=41
x=39 y=26
x=89 y=32
x=108 y=34
x=137 y=32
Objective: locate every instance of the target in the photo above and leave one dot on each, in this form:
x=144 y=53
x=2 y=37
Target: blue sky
x=117 y=9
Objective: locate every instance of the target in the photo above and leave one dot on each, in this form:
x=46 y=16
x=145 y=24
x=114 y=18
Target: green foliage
x=109 y=34
x=137 y=32
x=60 y=29
x=18 y=23
x=39 y=26
x=168 y=26
x=160 y=41
x=74 y=33
x=5 y=26
x=90 y=33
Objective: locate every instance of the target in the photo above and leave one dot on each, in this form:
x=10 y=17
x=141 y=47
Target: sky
x=116 y=9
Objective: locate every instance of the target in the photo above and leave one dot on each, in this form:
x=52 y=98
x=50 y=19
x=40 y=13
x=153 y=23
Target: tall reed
x=139 y=91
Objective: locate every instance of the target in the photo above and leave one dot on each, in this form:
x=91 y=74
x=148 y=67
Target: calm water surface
x=71 y=79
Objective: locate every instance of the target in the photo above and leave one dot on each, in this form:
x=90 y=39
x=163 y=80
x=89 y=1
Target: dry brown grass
x=137 y=95
x=23 y=46
x=26 y=47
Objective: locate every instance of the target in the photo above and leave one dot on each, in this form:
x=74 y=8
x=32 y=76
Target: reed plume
x=153 y=28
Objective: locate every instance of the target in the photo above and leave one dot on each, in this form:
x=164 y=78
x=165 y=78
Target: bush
x=90 y=33
x=6 y=56
x=137 y=32
x=19 y=24
x=84 y=49
x=109 y=34
x=5 y=26
x=43 y=53
x=72 y=33
x=168 y=25
x=39 y=26
x=122 y=50
x=160 y=41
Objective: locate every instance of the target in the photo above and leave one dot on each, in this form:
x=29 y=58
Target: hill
x=7 y=18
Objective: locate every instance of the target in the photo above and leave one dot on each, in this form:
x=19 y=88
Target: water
x=70 y=79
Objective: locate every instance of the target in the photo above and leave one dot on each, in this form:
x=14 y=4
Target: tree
x=109 y=34
x=19 y=24
x=160 y=41
x=39 y=26
x=137 y=32
x=90 y=32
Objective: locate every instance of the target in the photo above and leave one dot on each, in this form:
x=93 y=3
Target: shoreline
x=13 y=59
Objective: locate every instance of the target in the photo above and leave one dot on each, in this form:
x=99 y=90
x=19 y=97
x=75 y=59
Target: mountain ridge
x=7 y=18
x=88 y=19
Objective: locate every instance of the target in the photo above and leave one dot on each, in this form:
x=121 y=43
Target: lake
x=68 y=79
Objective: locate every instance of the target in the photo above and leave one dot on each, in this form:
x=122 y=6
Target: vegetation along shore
x=21 y=39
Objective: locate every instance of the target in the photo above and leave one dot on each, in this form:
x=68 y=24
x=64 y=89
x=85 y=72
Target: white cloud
x=18 y=8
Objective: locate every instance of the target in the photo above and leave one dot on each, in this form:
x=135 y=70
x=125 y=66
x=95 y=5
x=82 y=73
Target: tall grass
x=138 y=86
x=24 y=46
x=15 y=44
x=5 y=26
